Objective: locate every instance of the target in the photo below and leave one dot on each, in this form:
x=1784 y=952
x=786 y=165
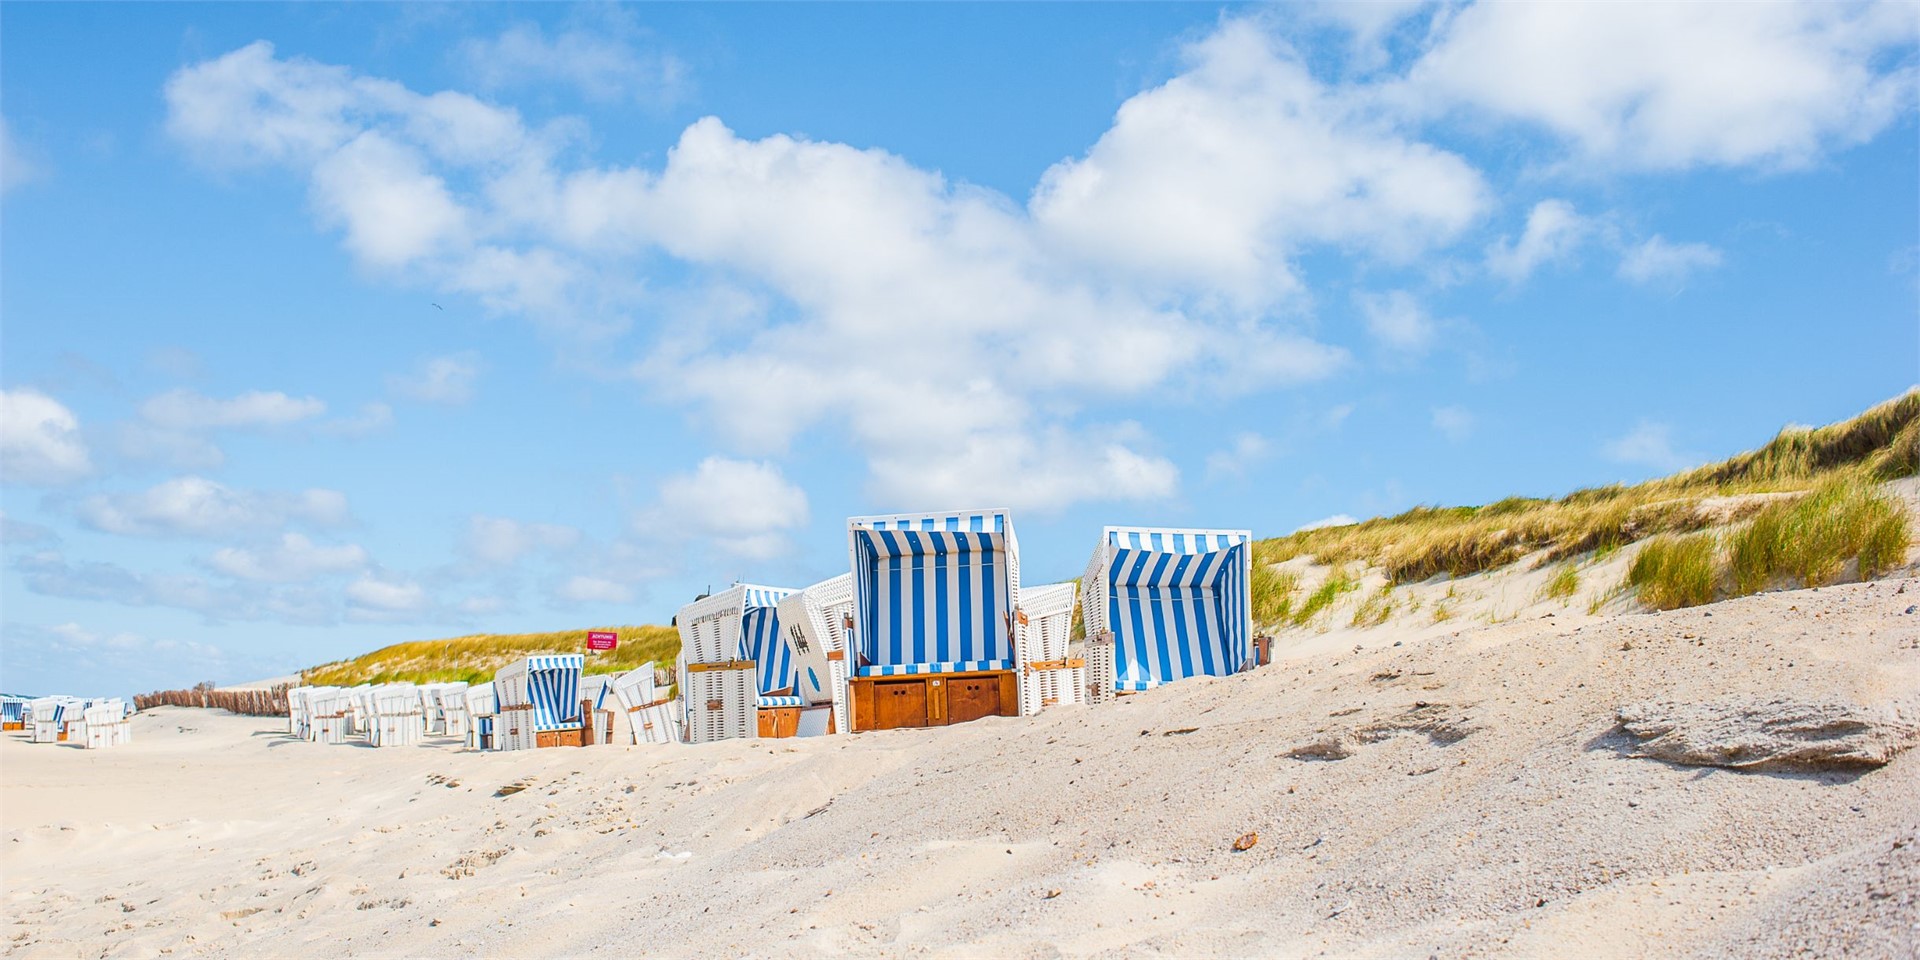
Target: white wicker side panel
x=513 y=724
x=834 y=611
x=720 y=704
x=1098 y=679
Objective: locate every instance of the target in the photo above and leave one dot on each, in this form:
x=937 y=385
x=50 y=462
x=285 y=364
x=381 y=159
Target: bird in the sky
x=438 y=307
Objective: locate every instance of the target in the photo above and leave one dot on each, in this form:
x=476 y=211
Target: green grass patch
x=1563 y=585
x=1376 y=609
x=1812 y=539
x=1674 y=571
x=1271 y=591
x=1336 y=584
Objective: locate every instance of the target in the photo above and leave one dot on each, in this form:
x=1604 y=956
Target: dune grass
x=1563 y=585
x=1376 y=609
x=1675 y=571
x=474 y=658
x=1881 y=444
x=1337 y=583
x=1810 y=541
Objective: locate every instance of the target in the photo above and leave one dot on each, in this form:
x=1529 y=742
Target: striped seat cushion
x=950 y=666
x=766 y=702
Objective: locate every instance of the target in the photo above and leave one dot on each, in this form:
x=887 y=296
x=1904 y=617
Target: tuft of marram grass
x=1338 y=582
x=1563 y=585
x=1811 y=540
x=1675 y=571
x=1375 y=609
x=1271 y=592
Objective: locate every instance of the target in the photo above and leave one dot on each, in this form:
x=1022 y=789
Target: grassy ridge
x=474 y=658
x=1881 y=444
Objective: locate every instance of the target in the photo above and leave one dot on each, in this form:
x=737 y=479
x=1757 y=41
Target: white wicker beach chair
x=538 y=702
x=104 y=724
x=1052 y=674
x=817 y=621
x=1162 y=605
x=939 y=630
x=733 y=662
x=650 y=715
x=47 y=716
x=451 y=699
x=481 y=711
x=330 y=714
x=399 y=716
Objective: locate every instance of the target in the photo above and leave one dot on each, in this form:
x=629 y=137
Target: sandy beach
x=1463 y=793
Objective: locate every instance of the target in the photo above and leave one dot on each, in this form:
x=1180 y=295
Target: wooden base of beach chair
x=569 y=737
x=932 y=699
x=779 y=722
x=16 y=725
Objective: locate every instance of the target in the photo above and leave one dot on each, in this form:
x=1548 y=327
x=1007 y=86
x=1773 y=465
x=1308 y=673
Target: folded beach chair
x=451 y=699
x=1052 y=675
x=45 y=720
x=399 y=716
x=734 y=664
x=539 y=702
x=938 y=626
x=297 y=711
x=103 y=725
x=650 y=714
x=330 y=714
x=481 y=711
x=817 y=621
x=1163 y=605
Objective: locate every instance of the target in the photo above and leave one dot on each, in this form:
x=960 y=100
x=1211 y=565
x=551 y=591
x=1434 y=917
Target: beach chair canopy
x=550 y=684
x=934 y=593
x=480 y=700
x=13 y=708
x=1175 y=601
x=741 y=622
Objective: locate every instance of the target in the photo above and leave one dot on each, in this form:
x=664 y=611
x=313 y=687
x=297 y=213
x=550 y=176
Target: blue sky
x=328 y=326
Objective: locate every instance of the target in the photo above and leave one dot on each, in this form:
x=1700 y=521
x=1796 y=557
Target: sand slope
x=1460 y=791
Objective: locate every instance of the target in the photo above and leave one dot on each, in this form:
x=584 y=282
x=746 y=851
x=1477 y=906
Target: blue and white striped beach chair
x=1163 y=605
x=939 y=632
x=734 y=661
x=536 y=696
x=13 y=711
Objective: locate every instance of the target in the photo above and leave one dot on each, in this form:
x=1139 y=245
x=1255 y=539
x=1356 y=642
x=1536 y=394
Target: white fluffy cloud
x=1554 y=230
x=1397 y=321
x=1648 y=444
x=15 y=167
x=1337 y=520
x=1658 y=261
x=742 y=507
x=1246 y=450
x=446 y=380
x=187 y=410
x=1675 y=85
x=378 y=597
x=292 y=559
x=501 y=542
x=197 y=507
x=1453 y=422
x=602 y=64
x=1217 y=178
x=585 y=589
x=40 y=443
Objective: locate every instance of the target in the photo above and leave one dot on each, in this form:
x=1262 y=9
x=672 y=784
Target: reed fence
x=252 y=703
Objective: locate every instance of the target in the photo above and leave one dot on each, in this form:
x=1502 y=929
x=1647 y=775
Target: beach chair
x=102 y=725
x=45 y=719
x=1053 y=675
x=817 y=621
x=297 y=711
x=482 y=708
x=451 y=698
x=399 y=716
x=735 y=669
x=650 y=714
x=938 y=627
x=1163 y=605
x=330 y=718
x=538 y=702
x=13 y=711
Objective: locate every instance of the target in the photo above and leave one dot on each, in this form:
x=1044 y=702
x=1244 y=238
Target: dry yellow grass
x=474 y=658
x=1881 y=444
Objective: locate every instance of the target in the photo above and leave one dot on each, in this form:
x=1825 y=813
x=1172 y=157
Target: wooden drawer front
x=777 y=722
x=970 y=698
x=899 y=703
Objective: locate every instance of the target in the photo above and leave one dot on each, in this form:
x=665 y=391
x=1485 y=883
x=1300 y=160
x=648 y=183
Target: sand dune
x=1417 y=790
